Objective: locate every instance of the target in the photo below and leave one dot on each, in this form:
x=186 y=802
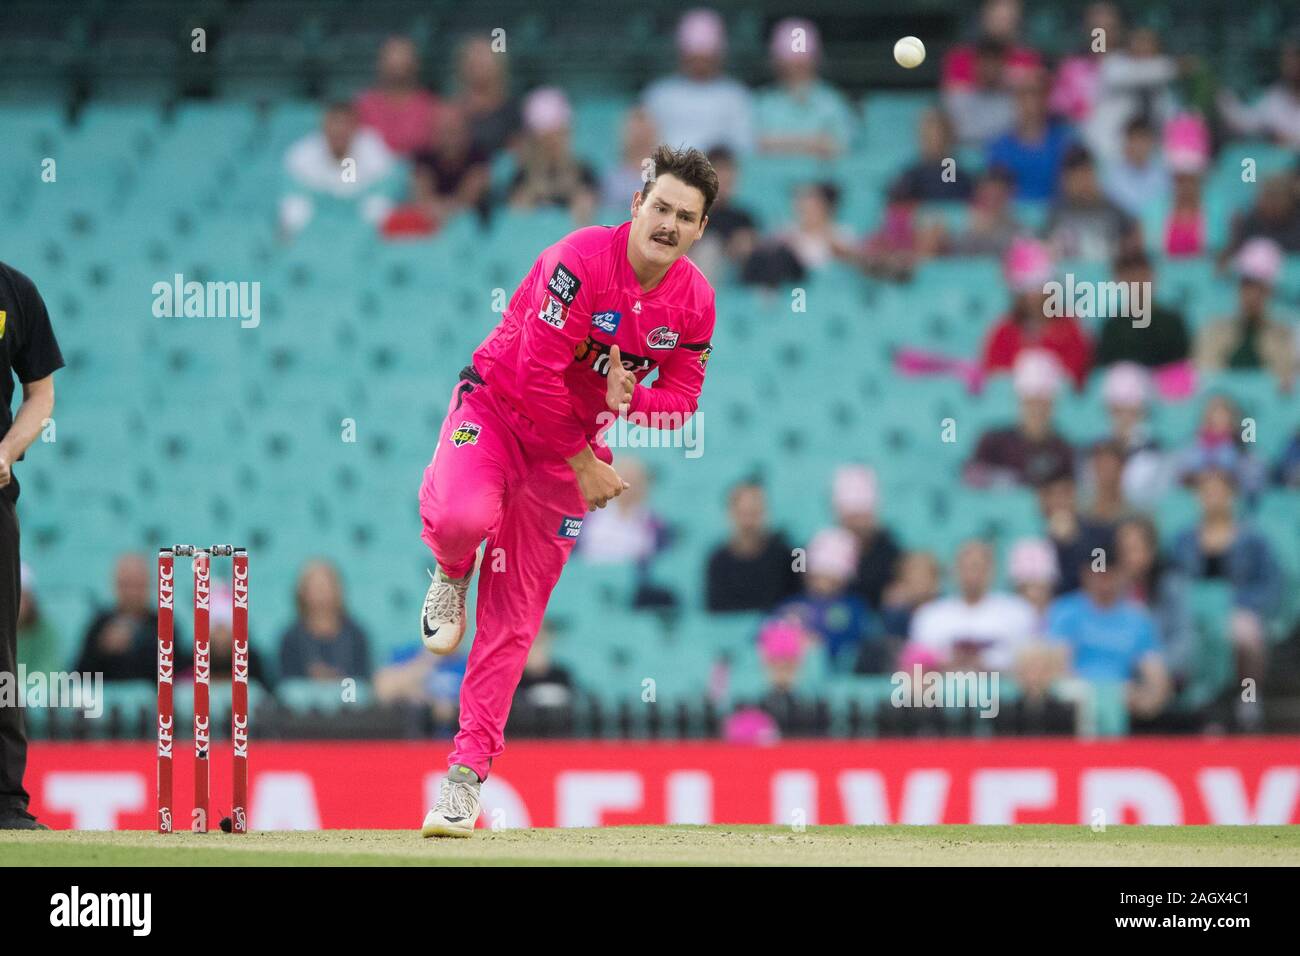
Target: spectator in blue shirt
x=1221 y=546
x=700 y=105
x=802 y=115
x=323 y=643
x=1286 y=471
x=828 y=609
x=1111 y=638
x=1035 y=148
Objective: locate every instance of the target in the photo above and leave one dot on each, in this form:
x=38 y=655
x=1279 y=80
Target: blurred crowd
x=324 y=645
x=1101 y=156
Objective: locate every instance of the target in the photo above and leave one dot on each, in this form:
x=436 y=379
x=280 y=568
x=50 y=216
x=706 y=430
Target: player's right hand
x=600 y=483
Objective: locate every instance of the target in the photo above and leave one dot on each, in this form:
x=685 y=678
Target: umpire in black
x=29 y=351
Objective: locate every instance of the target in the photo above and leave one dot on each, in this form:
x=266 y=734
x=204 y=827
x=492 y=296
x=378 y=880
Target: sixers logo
x=662 y=338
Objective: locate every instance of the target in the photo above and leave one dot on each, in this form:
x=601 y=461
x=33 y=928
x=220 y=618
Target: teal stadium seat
x=238 y=431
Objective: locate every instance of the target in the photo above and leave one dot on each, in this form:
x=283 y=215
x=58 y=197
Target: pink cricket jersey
x=549 y=354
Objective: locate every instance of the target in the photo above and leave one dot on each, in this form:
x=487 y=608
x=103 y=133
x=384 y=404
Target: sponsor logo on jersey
x=569 y=527
x=704 y=348
x=662 y=338
x=563 y=284
x=636 y=306
x=552 y=313
x=596 y=355
x=605 y=321
x=466 y=433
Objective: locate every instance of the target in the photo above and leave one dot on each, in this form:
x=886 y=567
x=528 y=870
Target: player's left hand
x=619 y=382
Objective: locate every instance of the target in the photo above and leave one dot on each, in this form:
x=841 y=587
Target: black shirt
x=1092 y=536
x=138 y=661
x=751 y=584
x=493 y=130
x=1162 y=341
x=448 y=173
x=924 y=182
x=27 y=345
x=876 y=567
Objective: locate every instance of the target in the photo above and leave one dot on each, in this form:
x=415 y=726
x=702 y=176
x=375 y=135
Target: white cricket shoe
x=442 y=620
x=457 y=808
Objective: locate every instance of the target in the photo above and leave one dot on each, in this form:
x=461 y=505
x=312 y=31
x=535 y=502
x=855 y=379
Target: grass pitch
x=1037 y=845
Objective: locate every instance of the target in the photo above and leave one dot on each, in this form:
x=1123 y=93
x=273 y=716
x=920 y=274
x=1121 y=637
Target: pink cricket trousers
x=484 y=484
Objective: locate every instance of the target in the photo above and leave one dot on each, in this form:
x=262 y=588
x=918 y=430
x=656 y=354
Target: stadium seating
x=200 y=430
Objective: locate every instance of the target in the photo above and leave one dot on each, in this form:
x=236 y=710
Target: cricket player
x=520 y=459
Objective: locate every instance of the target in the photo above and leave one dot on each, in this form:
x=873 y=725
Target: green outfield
x=724 y=845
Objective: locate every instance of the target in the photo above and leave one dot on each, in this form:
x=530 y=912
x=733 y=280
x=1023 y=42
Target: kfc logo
x=166 y=586
x=164 y=736
x=239 y=729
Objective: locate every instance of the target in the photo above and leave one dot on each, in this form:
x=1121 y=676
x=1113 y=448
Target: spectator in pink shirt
x=1187 y=151
x=999 y=21
x=1074 y=88
x=397 y=108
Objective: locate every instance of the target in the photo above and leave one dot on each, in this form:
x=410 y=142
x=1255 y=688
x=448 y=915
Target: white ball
x=909 y=52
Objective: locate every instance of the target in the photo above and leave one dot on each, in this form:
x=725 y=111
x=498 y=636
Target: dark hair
x=829 y=192
x=1076 y=157
x=1108 y=446
x=997 y=173
x=690 y=166
x=1227 y=475
x=1131 y=261
x=1159 y=567
x=902 y=190
x=1058 y=474
x=1139 y=124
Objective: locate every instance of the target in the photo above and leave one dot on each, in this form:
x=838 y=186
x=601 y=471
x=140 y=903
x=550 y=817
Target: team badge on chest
x=662 y=338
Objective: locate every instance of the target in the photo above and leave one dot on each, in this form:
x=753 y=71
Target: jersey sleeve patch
x=552 y=313
x=563 y=284
x=704 y=348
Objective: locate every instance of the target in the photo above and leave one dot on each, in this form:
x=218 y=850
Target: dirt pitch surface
x=1038 y=845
